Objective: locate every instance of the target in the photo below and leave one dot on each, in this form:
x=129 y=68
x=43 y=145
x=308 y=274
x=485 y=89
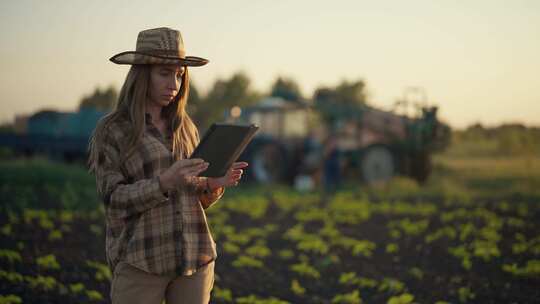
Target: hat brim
x=132 y=57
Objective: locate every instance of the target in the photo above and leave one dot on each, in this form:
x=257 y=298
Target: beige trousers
x=131 y=285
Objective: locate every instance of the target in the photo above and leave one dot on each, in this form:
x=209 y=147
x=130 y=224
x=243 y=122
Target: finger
x=239 y=165
x=240 y=171
x=231 y=183
x=194 y=170
x=183 y=163
x=191 y=170
x=196 y=167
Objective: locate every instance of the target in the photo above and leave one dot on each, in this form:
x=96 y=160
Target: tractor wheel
x=268 y=163
x=377 y=164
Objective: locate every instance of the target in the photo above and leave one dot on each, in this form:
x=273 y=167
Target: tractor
x=294 y=142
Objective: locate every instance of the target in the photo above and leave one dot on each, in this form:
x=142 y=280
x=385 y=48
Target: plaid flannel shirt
x=161 y=232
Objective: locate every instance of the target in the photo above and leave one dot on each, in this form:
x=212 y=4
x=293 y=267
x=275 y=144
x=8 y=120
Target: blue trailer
x=57 y=135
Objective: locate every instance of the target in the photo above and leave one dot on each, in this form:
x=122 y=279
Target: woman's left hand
x=231 y=178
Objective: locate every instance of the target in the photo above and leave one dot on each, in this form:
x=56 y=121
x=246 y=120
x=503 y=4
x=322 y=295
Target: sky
x=478 y=61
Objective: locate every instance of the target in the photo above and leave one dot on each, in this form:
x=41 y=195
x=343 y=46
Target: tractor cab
x=284 y=128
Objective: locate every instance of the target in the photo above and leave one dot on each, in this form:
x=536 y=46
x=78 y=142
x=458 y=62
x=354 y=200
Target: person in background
x=158 y=244
x=331 y=164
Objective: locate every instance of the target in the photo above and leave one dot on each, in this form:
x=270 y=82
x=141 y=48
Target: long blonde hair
x=132 y=105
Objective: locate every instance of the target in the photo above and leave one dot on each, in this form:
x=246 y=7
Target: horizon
x=265 y=95
x=478 y=61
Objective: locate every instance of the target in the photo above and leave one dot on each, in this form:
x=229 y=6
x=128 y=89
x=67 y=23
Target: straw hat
x=158 y=46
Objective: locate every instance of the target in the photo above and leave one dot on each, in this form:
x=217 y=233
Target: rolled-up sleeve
x=207 y=198
x=123 y=199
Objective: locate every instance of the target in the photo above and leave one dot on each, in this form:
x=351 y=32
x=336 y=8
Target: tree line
x=500 y=141
x=237 y=90
x=332 y=102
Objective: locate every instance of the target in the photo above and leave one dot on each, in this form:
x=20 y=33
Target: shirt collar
x=149 y=121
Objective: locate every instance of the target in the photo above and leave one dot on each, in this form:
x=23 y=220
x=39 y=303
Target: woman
x=158 y=243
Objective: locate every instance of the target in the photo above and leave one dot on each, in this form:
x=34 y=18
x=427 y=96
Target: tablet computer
x=221 y=146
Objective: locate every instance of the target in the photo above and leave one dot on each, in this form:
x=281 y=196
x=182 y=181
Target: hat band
x=167 y=53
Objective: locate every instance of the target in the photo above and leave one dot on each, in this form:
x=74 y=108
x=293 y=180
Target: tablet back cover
x=221 y=146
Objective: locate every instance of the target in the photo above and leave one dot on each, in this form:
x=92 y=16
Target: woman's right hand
x=181 y=173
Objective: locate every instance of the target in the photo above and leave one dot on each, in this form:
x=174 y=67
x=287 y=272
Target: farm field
x=470 y=235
